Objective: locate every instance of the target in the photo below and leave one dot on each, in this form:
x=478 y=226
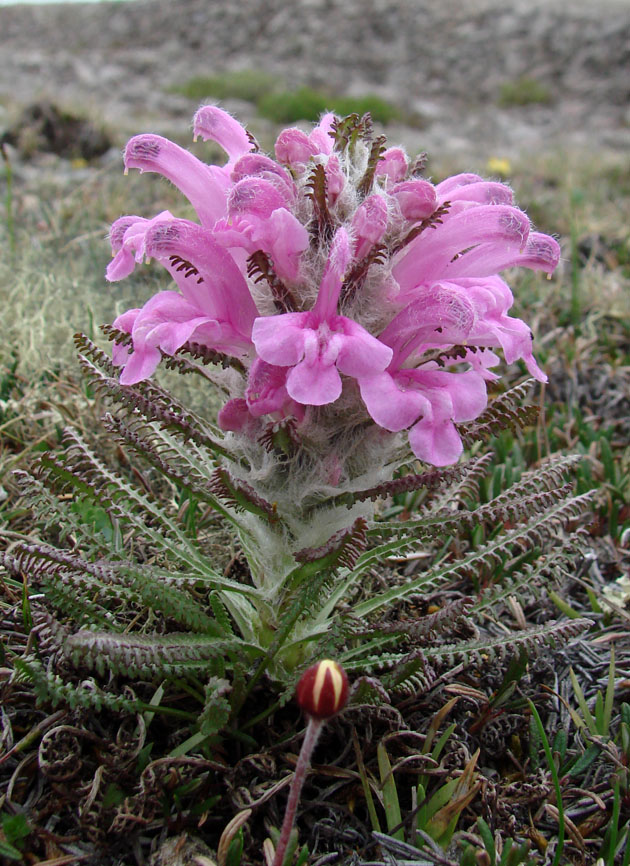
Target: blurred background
x=466 y=78
x=533 y=92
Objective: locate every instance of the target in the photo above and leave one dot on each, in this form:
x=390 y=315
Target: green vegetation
x=251 y=85
x=281 y=105
x=397 y=780
x=524 y=91
x=308 y=104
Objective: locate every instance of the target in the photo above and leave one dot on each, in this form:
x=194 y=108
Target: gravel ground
x=444 y=60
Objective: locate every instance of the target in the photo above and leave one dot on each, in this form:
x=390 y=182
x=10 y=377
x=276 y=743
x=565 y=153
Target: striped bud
x=323 y=689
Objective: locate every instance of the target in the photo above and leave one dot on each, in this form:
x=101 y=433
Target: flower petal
x=360 y=354
x=392 y=165
x=320 y=137
x=204 y=186
x=127 y=238
x=393 y=406
x=234 y=415
x=426 y=257
x=293 y=147
x=339 y=257
x=141 y=364
x=314 y=383
x=167 y=320
x=440 y=314
x=541 y=253
x=259 y=165
x=124 y=322
x=214 y=124
x=483 y=192
x=436 y=442
x=266 y=388
x=280 y=339
x=335 y=179
x=369 y=224
x=456 y=181
x=285 y=238
x=256 y=197
x=417 y=199
x=222 y=293
x=467 y=396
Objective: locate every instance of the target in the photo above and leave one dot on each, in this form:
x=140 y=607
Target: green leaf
x=556 y=783
x=15 y=827
x=488 y=840
x=390 y=794
x=235 y=851
x=586 y=713
x=217 y=709
x=584 y=761
x=541 y=526
x=190 y=743
x=610 y=696
x=9 y=851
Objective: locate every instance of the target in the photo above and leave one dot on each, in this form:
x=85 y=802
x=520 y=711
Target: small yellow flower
x=499 y=165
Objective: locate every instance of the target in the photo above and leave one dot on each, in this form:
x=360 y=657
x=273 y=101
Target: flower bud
x=323 y=689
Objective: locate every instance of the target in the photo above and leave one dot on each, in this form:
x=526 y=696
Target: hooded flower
x=319 y=345
x=332 y=263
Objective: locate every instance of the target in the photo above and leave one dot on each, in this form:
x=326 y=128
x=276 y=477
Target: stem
x=312 y=734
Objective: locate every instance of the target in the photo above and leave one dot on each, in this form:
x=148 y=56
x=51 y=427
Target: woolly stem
x=312 y=735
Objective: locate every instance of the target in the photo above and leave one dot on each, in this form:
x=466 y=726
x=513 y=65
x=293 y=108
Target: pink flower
x=320 y=267
x=211 y=123
x=319 y=344
x=427 y=398
x=258 y=208
x=214 y=307
x=295 y=148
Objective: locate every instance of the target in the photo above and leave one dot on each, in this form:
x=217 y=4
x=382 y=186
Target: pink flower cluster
x=373 y=281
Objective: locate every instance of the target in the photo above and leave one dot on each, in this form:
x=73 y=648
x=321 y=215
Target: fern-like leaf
x=508 y=411
x=324 y=223
x=532 y=534
x=241 y=495
x=404 y=484
x=482 y=651
x=377 y=150
x=348 y=130
x=216 y=710
x=144 y=655
x=341 y=550
x=431 y=222
x=78 y=471
x=260 y=267
x=51 y=688
x=147 y=398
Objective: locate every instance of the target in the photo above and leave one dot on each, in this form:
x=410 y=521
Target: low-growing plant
x=250 y=85
x=524 y=91
x=280 y=104
x=14 y=829
x=306 y=103
x=337 y=299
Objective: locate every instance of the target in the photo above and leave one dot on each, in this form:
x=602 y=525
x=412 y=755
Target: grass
x=554 y=736
x=249 y=85
x=524 y=91
x=279 y=104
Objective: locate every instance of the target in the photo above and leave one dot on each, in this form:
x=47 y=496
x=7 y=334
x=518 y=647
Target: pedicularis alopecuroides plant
x=351 y=313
